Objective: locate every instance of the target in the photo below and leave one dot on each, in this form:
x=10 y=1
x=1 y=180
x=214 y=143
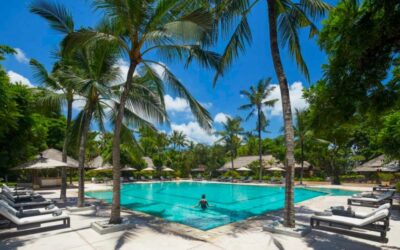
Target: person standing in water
x=203 y=203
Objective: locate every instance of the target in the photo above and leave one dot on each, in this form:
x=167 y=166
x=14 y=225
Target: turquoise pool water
x=174 y=201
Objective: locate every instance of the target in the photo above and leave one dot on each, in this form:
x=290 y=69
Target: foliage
x=98 y=174
x=232 y=173
x=389 y=136
x=398 y=187
x=385 y=176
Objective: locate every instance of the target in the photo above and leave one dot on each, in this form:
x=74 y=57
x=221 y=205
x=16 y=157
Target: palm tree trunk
x=115 y=217
x=302 y=160
x=63 y=191
x=259 y=143
x=82 y=149
x=289 y=220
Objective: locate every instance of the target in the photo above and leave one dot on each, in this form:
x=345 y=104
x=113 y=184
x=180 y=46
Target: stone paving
x=155 y=233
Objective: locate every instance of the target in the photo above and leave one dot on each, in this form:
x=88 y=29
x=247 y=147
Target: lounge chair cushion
x=351 y=221
x=373 y=211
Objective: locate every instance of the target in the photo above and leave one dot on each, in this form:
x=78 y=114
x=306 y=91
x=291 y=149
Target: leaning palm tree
x=230 y=136
x=141 y=28
x=257 y=97
x=95 y=74
x=60 y=19
x=285 y=18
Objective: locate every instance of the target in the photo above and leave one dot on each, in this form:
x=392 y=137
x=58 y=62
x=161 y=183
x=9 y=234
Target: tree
x=60 y=19
x=230 y=136
x=178 y=139
x=257 y=97
x=300 y=132
x=140 y=28
x=285 y=18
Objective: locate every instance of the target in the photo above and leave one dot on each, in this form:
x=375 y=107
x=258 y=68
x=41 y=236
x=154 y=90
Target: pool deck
x=155 y=233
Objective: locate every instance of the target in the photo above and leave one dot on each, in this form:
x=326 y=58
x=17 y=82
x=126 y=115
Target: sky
x=32 y=37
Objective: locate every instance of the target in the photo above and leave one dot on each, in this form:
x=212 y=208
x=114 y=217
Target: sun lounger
x=26 y=204
x=384 y=188
x=372 y=199
x=249 y=179
x=34 y=221
x=358 y=214
x=30 y=212
x=131 y=179
x=19 y=193
x=17 y=190
x=378 y=222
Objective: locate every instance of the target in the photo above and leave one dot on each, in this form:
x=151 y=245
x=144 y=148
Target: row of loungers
x=25 y=209
x=340 y=220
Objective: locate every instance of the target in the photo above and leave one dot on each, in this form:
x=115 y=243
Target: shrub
x=232 y=173
x=385 y=176
x=99 y=174
x=352 y=177
x=398 y=187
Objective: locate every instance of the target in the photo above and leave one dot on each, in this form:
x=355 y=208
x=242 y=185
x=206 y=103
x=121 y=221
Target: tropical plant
x=141 y=28
x=178 y=139
x=57 y=92
x=230 y=136
x=300 y=133
x=285 y=18
x=257 y=97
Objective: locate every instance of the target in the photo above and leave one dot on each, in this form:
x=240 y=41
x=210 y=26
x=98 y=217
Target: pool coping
x=210 y=233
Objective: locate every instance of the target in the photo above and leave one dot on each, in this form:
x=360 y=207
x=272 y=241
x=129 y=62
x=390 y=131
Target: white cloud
x=17 y=78
x=176 y=104
x=221 y=117
x=20 y=56
x=296 y=98
x=195 y=133
x=79 y=102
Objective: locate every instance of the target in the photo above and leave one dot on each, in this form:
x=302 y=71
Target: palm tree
x=300 y=131
x=257 y=97
x=178 y=139
x=60 y=19
x=140 y=28
x=230 y=136
x=285 y=17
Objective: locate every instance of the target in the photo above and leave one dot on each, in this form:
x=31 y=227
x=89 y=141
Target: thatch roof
x=244 y=161
x=306 y=165
x=379 y=163
x=149 y=162
x=55 y=154
x=98 y=162
x=200 y=168
x=42 y=163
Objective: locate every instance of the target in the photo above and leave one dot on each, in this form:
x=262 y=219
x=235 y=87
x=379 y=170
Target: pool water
x=175 y=201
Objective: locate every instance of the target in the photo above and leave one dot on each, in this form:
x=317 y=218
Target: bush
x=232 y=173
x=98 y=174
x=352 y=177
x=385 y=176
x=398 y=187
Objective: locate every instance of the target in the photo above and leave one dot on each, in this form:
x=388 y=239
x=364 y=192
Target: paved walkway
x=154 y=233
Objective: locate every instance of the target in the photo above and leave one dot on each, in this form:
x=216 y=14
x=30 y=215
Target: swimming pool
x=175 y=201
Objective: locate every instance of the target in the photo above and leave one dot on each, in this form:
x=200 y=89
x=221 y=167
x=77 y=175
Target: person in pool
x=203 y=203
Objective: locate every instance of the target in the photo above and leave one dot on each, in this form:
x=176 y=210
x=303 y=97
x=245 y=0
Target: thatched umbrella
x=149 y=169
x=41 y=163
x=276 y=169
x=55 y=154
x=127 y=168
x=378 y=164
x=243 y=169
x=167 y=169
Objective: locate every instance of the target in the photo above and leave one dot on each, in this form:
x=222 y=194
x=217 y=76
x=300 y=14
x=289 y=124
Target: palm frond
x=57 y=15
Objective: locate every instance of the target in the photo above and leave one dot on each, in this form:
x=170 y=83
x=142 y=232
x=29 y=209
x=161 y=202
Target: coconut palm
x=95 y=75
x=300 y=132
x=178 y=139
x=230 y=136
x=141 y=28
x=257 y=97
x=285 y=18
x=60 y=19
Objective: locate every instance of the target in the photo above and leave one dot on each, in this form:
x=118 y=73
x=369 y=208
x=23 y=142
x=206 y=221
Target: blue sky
x=33 y=37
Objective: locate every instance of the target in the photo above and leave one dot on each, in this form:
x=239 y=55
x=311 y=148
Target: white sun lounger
x=377 y=200
x=29 y=212
x=378 y=222
x=33 y=221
